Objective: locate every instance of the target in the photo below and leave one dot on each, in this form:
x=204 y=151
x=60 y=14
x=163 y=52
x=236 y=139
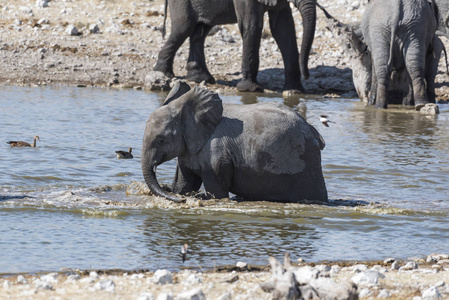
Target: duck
x=24 y=144
x=123 y=154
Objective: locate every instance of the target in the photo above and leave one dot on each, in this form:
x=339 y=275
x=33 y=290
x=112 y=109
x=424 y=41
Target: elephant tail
x=165 y=19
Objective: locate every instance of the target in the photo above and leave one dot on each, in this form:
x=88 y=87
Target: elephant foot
x=294 y=88
x=246 y=85
x=164 y=69
x=197 y=74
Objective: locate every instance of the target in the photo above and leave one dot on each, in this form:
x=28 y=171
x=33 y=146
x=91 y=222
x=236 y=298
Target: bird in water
x=123 y=154
x=184 y=252
x=24 y=144
x=325 y=120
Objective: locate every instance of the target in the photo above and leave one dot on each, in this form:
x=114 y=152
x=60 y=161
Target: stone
x=192 y=279
x=195 y=294
x=72 y=30
x=42 y=3
x=367 y=278
x=164 y=296
x=430 y=294
x=163 y=277
x=156 y=80
x=225 y=296
x=93 y=28
x=435 y=257
x=106 y=285
x=21 y=279
x=383 y=294
x=411 y=265
x=365 y=293
x=73 y=277
x=241 y=265
x=42 y=284
x=389 y=260
x=145 y=296
x=430 y=109
x=6 y=284
x=137 y=276
x=51 y=277
x=93 y=274
x=395 y=266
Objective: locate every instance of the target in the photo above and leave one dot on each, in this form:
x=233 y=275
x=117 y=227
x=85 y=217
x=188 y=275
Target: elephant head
x=351 y=39
x=183 y=124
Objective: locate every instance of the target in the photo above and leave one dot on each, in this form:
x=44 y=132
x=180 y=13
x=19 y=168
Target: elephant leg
x=415 y=63
x=432 y=59
x=185 y=181
x=215 y=185
x=373 y=89
x=250 y=21
x=283 y=29
x=381 y=76
x=196 y=66
x=181 y=30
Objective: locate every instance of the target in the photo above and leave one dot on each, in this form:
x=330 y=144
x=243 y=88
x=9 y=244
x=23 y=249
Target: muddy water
x=70 y=203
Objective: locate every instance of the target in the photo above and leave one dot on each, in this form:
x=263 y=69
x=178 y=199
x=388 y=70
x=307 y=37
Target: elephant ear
x=179 y=89
x=200 y=115
x=269 y=2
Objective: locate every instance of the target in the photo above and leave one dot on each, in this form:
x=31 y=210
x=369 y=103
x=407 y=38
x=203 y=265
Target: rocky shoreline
x=416 y=278
x=115 y=44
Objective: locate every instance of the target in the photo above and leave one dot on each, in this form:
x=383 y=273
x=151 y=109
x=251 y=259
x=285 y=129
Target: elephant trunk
x=307 y=8
x=149 y=175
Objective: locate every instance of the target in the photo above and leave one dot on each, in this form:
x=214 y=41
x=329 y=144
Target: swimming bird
x=24 y=144
x=325 y=120
x=184 y=252
x=124 y=155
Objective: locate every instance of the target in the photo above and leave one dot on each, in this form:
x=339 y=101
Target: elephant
x=194 y=19
x=399 y=34
x=443 y=17
x=401 y=88
x=261 y=151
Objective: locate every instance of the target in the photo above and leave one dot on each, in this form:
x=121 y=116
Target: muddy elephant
x=262 y=151
x=194 y=19
x=405 y=73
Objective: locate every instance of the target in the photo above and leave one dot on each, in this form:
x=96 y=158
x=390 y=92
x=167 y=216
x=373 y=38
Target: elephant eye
x=160 y=142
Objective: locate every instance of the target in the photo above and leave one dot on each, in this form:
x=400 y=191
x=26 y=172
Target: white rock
x=430 y=109
x=164 y=296
x=6 y=284
x=431 y=293
x=88 y=280
x=26 y=10
x=93 y=274
x=72 y=30
x=383 y=294
x=73 y=277
x=395 y=266
x=137 y=276
x=93 y=28
x=305 y=274
x=145 y=296
x=195 y=294
x=51 y=277
x=367 y=278
x=41 y=3
x=411 y=265
x=193 y=279
x=358 y=268
x=241 y=265
x=226 y=296
x=21 y=279
x=163 y=277
x=365 y=293
x=107 y=285
x=42 y=284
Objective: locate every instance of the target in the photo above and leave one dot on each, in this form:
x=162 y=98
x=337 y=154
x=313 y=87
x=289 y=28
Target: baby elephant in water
x=262 y=151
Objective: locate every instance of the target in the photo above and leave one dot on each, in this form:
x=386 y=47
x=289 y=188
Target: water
x=70 y=203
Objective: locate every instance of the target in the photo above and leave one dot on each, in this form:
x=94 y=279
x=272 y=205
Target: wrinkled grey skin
x=400 y=85
x=399 y=35
x=443 y=17
x=194 y=19
x=258 y=151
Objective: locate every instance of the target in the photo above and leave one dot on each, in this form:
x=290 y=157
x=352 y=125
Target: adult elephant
x=443 y=17
x=399 y=35
x=261 y=151
x=194 y=19
x=400 y=88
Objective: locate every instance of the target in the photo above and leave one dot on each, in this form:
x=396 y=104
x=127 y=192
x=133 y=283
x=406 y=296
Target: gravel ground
x=117 y=46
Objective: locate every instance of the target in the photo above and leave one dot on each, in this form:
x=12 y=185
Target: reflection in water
x=226 y=237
